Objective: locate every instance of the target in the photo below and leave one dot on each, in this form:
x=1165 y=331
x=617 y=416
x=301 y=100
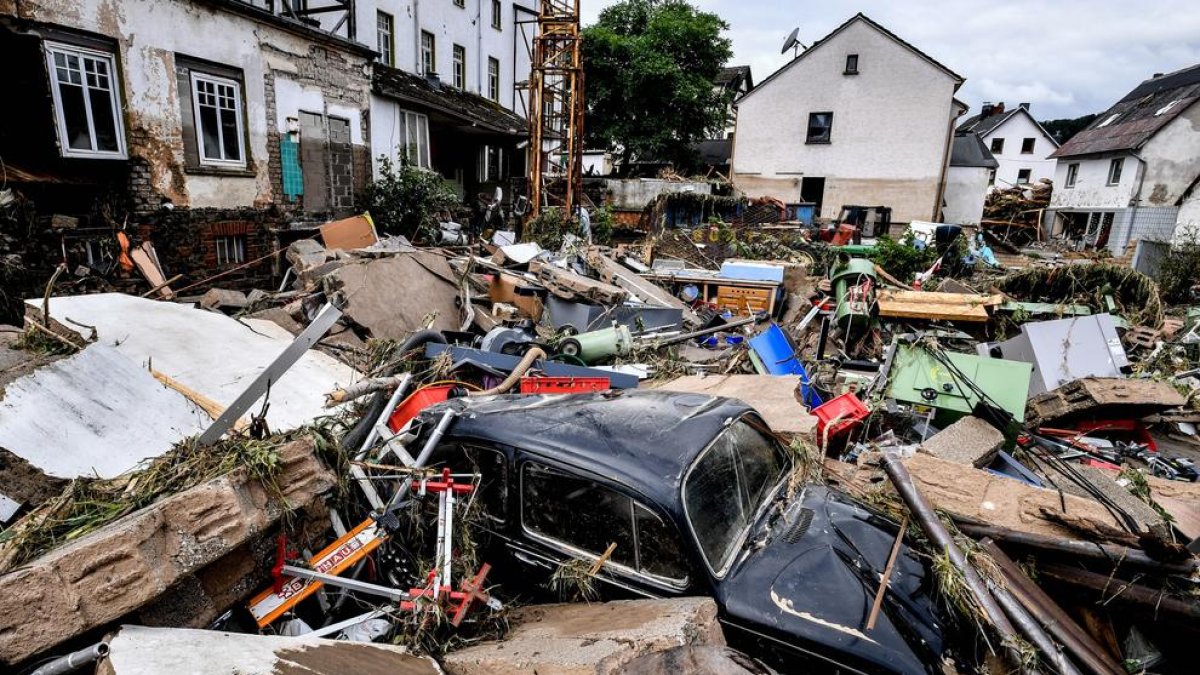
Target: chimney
x=998 y=109
x=986 y=110
x=1025 y=106
x=1156 y=76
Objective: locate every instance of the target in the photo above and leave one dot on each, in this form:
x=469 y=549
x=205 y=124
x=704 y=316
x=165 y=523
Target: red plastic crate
x=563 y=385
x=847 y=409
x=418 y=401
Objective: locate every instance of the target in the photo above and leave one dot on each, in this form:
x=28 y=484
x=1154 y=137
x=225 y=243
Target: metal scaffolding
x=556 y=109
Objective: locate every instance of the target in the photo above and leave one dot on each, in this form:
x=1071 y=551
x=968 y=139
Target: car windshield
x=726 y=487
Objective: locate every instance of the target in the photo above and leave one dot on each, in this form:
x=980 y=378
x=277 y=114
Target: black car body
x=700 y=502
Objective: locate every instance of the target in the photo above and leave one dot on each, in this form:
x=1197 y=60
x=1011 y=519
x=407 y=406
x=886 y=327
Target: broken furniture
x=739 y=296
x=953 y=383
x=1064 y=350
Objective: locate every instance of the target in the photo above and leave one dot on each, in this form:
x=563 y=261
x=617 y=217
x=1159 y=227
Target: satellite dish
x=791 y=41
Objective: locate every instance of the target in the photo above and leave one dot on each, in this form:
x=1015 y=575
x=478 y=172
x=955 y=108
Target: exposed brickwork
x=185 y=240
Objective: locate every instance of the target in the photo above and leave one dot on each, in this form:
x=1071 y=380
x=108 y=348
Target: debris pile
x=1013 y=215
x=893 y=456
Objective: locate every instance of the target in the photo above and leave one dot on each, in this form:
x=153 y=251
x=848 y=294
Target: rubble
x=1102 y=398
x=970 y=440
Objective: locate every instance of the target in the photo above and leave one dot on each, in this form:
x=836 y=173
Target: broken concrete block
x=970 y=440
x=595 y=639
x=774 y=397
x=1143 y=513
x=999 y=500
x=221 y=298
x=306 y=253
x=127 y=564
x=697 y=660
x=1107 y=397
x=138 y=650
x=257 y=296
x=391 y=296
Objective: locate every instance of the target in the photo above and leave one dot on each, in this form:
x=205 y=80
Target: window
x=385 y=32
x=819 y=127
x=851 y=64
x=588 y=517
x=997 y=146
x=1072 y=174
x=86 y=103
x=217 y=105
x=1023 y=176
x=460 y=3
x=992 y=177
x=1027 y=145
x=724 y=489
x=460 y=66
x=1114 y=170
x=231 y=250
x=428 y=56
x=496 y=8
x=97 y=253
x=412 y=138
x=491 y=164
x=493 y=79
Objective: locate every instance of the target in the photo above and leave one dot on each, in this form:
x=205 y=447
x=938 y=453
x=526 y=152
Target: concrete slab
x=127 y=564
x=774 y=397
x=95 y=413
x=211 y=353
x=391 y=296
x=590 y=639
x=970 y=441
x=137 y=650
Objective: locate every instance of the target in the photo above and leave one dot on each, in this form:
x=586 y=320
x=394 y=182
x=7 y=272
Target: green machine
x=918 y=378
x=853 y=281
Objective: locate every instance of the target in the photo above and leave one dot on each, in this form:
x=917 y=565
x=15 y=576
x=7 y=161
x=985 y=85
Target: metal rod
x=700 y=333
x=933 y=528
x=1110 y=553
x=423 y=457
x=1087 y=652
x=74 y=661
x=1153 y=600
x=350 y=584
x=1032 y=630
x=338 y=627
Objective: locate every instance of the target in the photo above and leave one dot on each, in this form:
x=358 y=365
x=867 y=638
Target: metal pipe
x=74 y=661
x=706 y=331
x=1082 y=646
x=933 y=528
x=1152 y=600
x=1109 y=553
x=1032 y=630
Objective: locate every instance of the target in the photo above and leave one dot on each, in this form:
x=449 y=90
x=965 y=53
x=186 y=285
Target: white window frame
x=198 y=124
x=1117 y=164
x=485 y=175
x=51 y=48
x=386 y=56
x=413 y=130
x=428 y=66
x=1072 y=174
x=497 y=15
x=494 y=79
x=231 y=249
x=459 y=65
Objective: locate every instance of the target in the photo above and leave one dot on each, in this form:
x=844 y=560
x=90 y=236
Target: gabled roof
x=1136 y=118
x=968 y=150
x=469 y=109
x=958 y=79
x=986 y=125
x=732 y=77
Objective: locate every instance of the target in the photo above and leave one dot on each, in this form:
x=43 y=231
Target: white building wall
x=1091 y=189
x=1014 y=130
x=966 y=190
x=1172 y=160
x=889 y=135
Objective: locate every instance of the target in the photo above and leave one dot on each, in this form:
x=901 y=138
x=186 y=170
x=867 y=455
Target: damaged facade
x=1127 y=183
x=818 y=130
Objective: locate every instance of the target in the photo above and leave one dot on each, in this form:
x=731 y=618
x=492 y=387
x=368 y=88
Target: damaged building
x=860 y=117
x=1127 y=183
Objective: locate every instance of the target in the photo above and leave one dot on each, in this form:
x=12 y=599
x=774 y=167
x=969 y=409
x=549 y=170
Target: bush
x=1177 y=271
x=900 y=258
x=406 y=200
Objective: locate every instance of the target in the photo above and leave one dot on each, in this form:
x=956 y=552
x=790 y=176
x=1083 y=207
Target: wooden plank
x=209 y=406
x=901 y=309
x=146 y=261
x=931 y=297
x=349 y=233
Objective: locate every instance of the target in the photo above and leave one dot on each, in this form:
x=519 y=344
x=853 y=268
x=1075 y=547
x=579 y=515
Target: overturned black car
x=699 y=501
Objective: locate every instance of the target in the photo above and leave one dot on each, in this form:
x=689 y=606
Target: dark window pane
x=208 y=131
x=659 y=552
x=818 y=127
x=229 y=134
x=714 y=505
x=104 y=120
x=577 y=512
x=493 y=481
x=75 y=115
x=761 y=461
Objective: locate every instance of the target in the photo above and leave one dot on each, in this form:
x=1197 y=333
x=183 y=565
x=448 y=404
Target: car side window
x=589 y=517
x=492 y=467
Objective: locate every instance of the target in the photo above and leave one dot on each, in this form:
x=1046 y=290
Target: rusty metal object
x=1152 y=600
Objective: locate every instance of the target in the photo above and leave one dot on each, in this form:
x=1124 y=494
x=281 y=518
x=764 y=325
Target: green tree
x=649 y=67
x=406 y=200
x=1063 y=129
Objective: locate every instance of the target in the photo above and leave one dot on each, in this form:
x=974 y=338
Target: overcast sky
x=1066 y=57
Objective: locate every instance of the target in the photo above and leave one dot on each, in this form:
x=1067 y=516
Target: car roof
x=644 y=439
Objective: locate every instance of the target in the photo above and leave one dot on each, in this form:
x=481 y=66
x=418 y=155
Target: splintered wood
x=935 y=306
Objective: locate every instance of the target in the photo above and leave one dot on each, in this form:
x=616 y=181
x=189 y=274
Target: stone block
x=590 y=639
x=221 y=298
x=139 y=650
x=130 y=563
x=306 y=253
x=970 y=440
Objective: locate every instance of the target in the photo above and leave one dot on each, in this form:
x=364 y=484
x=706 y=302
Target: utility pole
x=556 y=110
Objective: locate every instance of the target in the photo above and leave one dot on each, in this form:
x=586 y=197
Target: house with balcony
x=1128 y=182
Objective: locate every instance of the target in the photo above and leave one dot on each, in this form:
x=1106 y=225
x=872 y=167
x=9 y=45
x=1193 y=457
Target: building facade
x=1020 y=145
x=1128 y=181
x=859 y=118
x=972 y=168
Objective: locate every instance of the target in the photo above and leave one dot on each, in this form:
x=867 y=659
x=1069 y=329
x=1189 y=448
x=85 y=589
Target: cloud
x=1067 y=58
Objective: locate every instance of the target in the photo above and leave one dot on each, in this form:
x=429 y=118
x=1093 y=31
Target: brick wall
x=185 y=240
